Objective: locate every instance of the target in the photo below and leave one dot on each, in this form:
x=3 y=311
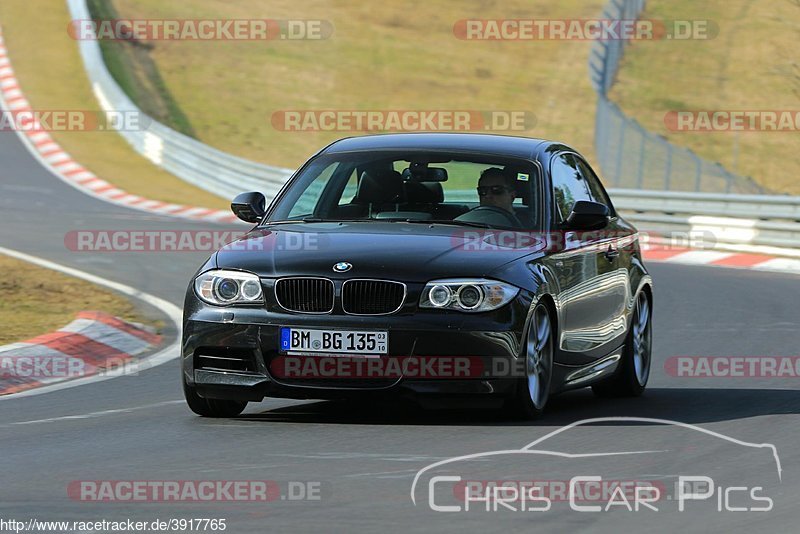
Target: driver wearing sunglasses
x=496 y=189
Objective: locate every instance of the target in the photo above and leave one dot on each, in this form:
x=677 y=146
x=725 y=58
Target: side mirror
x=587 y=215
x=249 y=207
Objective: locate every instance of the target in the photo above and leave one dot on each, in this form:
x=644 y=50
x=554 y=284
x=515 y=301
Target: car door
x=619 y=237
x=593 y=286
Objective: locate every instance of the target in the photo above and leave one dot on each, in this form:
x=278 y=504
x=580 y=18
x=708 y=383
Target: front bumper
x=247 y=341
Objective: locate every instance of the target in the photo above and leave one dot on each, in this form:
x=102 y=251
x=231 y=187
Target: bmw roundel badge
x=342 y=267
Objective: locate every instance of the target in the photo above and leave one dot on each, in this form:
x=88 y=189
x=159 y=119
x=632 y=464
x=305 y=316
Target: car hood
x=392 y=250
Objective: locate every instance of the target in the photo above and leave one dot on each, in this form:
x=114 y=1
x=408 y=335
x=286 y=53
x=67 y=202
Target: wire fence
x=632 y=157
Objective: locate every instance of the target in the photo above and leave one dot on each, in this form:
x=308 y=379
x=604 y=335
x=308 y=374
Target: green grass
x=750 y=65
x=34 y=301
x=392 y=56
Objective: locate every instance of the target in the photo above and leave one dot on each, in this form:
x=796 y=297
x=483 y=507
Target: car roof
x=504 y=145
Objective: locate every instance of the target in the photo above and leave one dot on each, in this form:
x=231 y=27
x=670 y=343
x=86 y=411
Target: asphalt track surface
x=365 y=457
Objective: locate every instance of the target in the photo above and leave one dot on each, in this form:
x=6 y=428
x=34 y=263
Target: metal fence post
x=622 y=127
x=640 y=171
x=698 y=170
x=668 y=167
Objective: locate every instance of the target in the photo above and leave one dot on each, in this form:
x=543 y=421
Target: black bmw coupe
x=427 y=265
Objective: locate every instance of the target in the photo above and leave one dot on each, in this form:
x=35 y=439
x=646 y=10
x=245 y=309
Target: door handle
x=611 y=254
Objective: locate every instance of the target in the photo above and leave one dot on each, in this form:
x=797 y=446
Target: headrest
x=424 y=193
x=522 y=188
x=380 y=186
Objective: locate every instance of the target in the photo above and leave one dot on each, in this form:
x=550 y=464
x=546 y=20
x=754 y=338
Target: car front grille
x=306 y=295
x=372 y=297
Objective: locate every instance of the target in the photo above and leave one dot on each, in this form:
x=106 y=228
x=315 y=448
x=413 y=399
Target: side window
x=568 y=184
x=598 y=193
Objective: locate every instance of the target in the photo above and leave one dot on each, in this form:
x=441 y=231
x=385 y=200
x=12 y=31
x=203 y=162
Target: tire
x=533 y=390
x=211 y=407
x=630 y=379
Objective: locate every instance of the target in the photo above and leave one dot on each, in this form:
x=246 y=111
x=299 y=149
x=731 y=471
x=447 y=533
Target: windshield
x=469 y=190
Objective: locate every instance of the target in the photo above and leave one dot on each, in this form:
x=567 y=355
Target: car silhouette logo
x=342 y=267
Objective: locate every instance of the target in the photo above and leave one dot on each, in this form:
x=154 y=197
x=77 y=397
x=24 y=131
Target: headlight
x=220 y=288
x=467 y=295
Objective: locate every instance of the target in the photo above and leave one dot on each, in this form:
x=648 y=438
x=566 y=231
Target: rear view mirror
x=420 y=172
x=587 y=215
x=249 y=207
x=435 y=174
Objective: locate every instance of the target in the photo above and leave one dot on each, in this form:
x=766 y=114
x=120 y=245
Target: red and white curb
x=167 y=352
x=718 y=258
x=60 y=163
x=93 y=343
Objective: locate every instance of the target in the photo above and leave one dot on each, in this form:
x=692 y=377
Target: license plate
x=334 y=341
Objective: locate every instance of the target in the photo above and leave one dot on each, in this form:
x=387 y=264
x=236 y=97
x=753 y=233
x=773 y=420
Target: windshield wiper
x=448 y=221
x=297 y=221
x=413 y=221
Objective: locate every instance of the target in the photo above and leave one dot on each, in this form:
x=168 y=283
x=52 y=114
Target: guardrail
x=195 y=162
x=729 y=220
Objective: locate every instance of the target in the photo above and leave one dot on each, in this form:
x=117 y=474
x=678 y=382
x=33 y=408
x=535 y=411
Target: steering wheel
x=491 y=215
